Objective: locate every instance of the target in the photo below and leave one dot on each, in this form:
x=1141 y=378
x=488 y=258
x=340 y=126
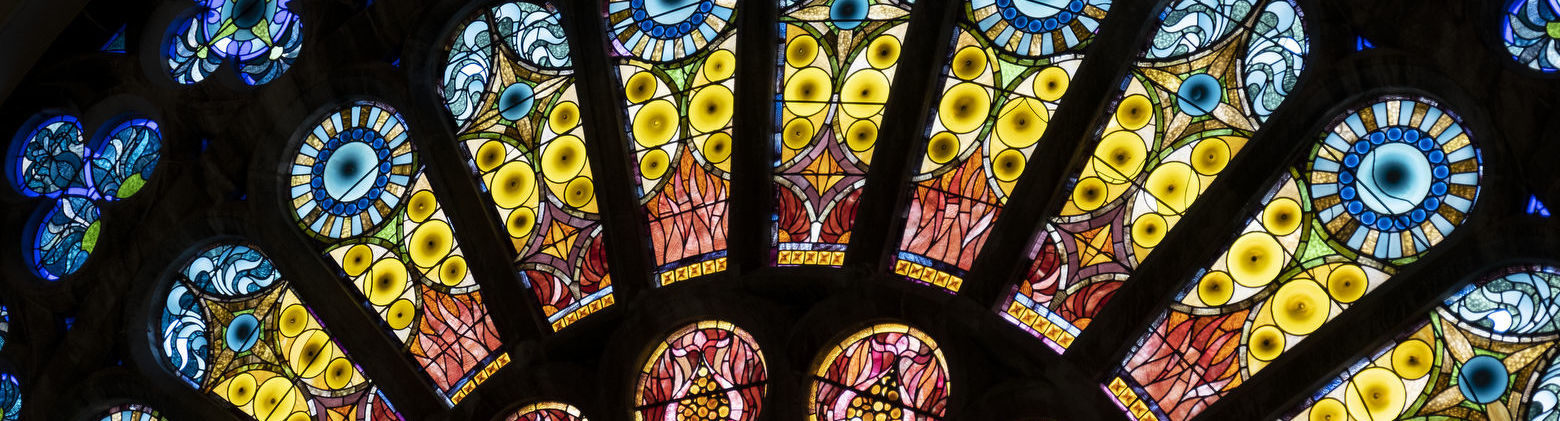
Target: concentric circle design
x=351 y=170
x=1483 y=379
x=1394 y=178
x=1039 y=27
x=666 y=30
x=1199 y=94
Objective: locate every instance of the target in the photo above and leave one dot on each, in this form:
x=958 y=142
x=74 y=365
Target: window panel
x=710 y=370
x=888 y=371
x=1010 y=68
x=260 y=40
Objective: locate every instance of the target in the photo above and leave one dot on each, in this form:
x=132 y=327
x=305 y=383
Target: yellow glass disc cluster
x=430 y=241
x=1301 y=305
x=382 y=277
x=811 y=89
x=1119 y=161
x=1020 y=122
x=964 y=108
x=308 y=353
x=1257 y=256
x=1384 y=389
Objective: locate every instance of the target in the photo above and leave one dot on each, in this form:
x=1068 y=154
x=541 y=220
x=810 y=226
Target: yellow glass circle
x=1008 y=165
x=1347 y=283
x=1267 y=342
x=969 y=63
x=641 y=86
x=861 y=135
x=883 y=52
x=1255 y=259
x=717 y=148
x=1375 y=393
x=563 y=158
x=1134 y=112
x=514 y=185
x=1210 y=156
x=1281 y=216
x=520 y=222
x=1089 y=194
x=386 y=281
x=1412 y=359
x=942 y=147
x=430 y=243
x=241 y=389
x=338 y=373
x=964 y=107
x=357 y=259
x=421 y=206
x=310 y=353
x=298 y=416
x=564 y=117
x=801 y=51
x=655 y=124
x=580 y=192
x=1174 y=185
x=864 y=93
x=1021 y=122
x=276 y=393
x=400 y=314
x=1123 y=153
x=1051 y=84
x=720 y=65
x=798 y=133
x=1148 y=230
x=1329 y=409
x=711 y=108
x=452 y=271
x=654 y=164
x=1215 y=288
x=1300 y=307
x=490 y=155
x=807 y=92
x=294 y=320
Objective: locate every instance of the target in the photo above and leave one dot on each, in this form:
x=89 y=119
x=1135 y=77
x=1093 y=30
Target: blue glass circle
x=1483 y=379
x=848 y=14
x=670 y=12
x=351 y=172
x=516 y=101
x=1199 y=94
x=243 y=332
x=1394 y=178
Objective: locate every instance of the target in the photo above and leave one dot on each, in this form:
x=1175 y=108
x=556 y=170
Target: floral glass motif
x=888 y=371
x=547 y=411
x=358 y=187
x=512 y=91
x=711 y=370
x=1488 y=353
x=1308 y=253
x=132 y=412
x=10 y=397
x=1530 y=29
x=261 y=38
x=1208 y=80
x=232 y=326
x=53 y=160
x=838 y=61
x=677 y=60
x=1011 y=65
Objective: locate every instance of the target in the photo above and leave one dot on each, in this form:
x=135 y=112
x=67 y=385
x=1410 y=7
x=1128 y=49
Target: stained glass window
x=509 y=83
x=259 y=38
x=1010 y=67
x=888 y=371
x=52 y=159
x=357 y=186
x=1530 y=28
x=1212 y=74
x=231 y=326
x=677 y=60
x=132 y=412
x=838 y=62
x=10 y=397
x=547 y=411
x=1386 y=182
x=1486 y=353
x=711 y=370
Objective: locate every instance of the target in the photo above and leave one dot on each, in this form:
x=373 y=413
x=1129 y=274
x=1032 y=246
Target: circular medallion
x=351 y=170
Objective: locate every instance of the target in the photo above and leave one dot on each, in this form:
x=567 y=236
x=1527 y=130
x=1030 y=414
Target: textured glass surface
x=710 y=370
x=260 y=38
x=1530 y=29
x=547 y=411
x=888 y=371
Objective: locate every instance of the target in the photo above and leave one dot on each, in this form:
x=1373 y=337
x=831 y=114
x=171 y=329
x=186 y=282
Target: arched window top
x=231 y=326
x=667 y=31
x=887 y=370
x=1038 y=28
x=1529 y=29
x=351 y=170
x=259 y=38
x=477 y=77
x=131 y=412
x=1485 y=353
x=710 y=370
x=546 y=411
